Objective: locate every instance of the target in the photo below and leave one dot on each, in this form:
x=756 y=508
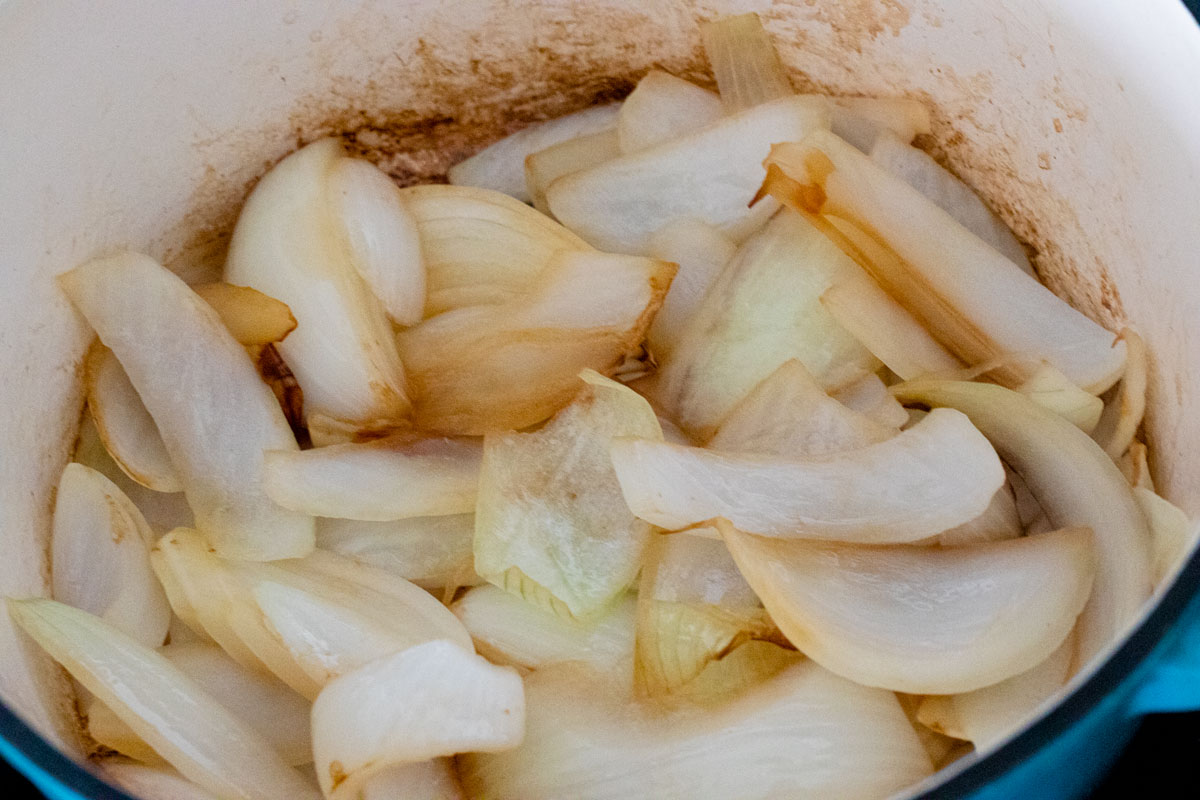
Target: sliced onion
x=923 y=481
x=999 y=521
x=287 y=243
x=744 y=667
x=388 y=479
x=550 y=522
x=100 y=548
x=381 y=236
x=802 y=733
x=432 y=700
x=109 y=730
x=862 y=121
x=1122 y=416
x=546 y=166
x=869 y=396
x=252 y=317
x=701 y=251
x=152 y=783
x=744 y=62
x=501 y=165
x=509 y=630
x=1135 y=466
x=1172 y=533
x=124 y=425
x=1075 y=483
x=663 y=107
x=170 y=711
x=432 y=552
x=710 y=175
x=1052 y=390
x=789 y=414
x=481 y=247
x=435 y=779
x=215 y=416
x=763 y=309
x=918 y=169
x=921 y=620
x=973 y=299
x=939 y=746
x=506 y=367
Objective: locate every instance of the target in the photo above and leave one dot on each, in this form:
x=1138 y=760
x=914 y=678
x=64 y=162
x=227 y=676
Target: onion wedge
x=289 y=244
x=925 y=480
x=710 y=175
x=802 y=733
x=215 y=415
x=252 y=317
x=546 y=166
x=921 y=620
x=152 y=782
x=869 y=396
x=170 y=711
x=435 y=779
x=506 y=367
x=388 y=479
x=432 y=552
x=1172 y=533
x=1051 y=390
x=663 y=107
x=744 y=62
x=862 y=121
x=973 y=299
x=550 y=523
x=701 y=251
x=1120 y=420
x=1075 y=483
x=431 y=700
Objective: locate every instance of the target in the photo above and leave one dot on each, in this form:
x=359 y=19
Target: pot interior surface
x=138 y=124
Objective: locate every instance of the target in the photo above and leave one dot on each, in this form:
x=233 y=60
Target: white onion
x=862 y=121
x=869 y=396
x=662 y=107
x=1051 y=390
x=1122 y=416
x=744 y=62
x=153 y=783
x=1172 y=533
x=435 y=779
x=251 y=317
x=546 y=166
x=432 y=552
x=701 y=251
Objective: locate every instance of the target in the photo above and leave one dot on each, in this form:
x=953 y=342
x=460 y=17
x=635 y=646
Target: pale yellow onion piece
x=999 y=521
x=985 y=716
x=550 y=522
x=922 y=620
x=381 y=236
x=152 y=783
x=506 y=367
x=287 y=244
x=501 y=165
x=710 y=175
x=742 y=668
x=701 y=251
x=892 y=335
x=789 y=414
x=869 y=396
x=431 y=700
x=763 y=309
x=918 y=169
x=1122 y=416
x=435 y=779
x=925 y=480
x=388 y=479
x=972 y=298
x=252 y=317
x=215 y=414
x=124 y=425
x=862 y=121
x=100 y=556
x=108 y=730
x=432 y=552
x=1172 y=533
x=546 y=166
x=1075 y=483
x=509 y=630
x=1135 y=466
x=170 y=711
x=937 y=745
x=802 y=733
x=481 y=247
x=663 y=107
x=1052 y=390
x=744 y=62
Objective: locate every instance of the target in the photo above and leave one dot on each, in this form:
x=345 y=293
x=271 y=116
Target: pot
x=143 y=124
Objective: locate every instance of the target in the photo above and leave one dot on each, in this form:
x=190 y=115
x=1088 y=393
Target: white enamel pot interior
x=141 y=124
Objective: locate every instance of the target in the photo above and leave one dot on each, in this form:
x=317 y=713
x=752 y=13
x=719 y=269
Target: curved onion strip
x=1122 y=417
x=921 y=620
x=1172 y=533
x=802 y=733
x=381 y=237
x=509 y=630
x=196 y=380
x=701 y=251
x=999 y=521
x=546 y=166
x=100 y=556
x=869 y=396
x=550 y=523
x=710 y=175
x=182 y=722
x=1051 y=390
x=124 y=425
x=431 y=700
x=432 y=552
x=744 y=62
x=662 y=107
x=937 y=745
x=110 y=731
x=287 y=244
x=931 y=477
x=382 y=480
x=435 y=779
x=153 y=783
x=252 y=317
x=862 y=121
x=501 y=165
x=1075 y=483
x=972 y=298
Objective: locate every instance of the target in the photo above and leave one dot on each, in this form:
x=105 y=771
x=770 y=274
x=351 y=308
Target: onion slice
x=936 y=475
x=152 y=782
x=435 y=779
x=862 y=121
x=170 y=711
x=744 y=62
x=432 y=552
x=215 y=415
x=662 y=107
x=1075 y=483
x=431 y=700
x=1052 y=390
x=1121 y=418
x=921 y=620
x=869 y=396
x=252 y=317
x=1172 y=533
x=546 y=166
x=701 y=251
